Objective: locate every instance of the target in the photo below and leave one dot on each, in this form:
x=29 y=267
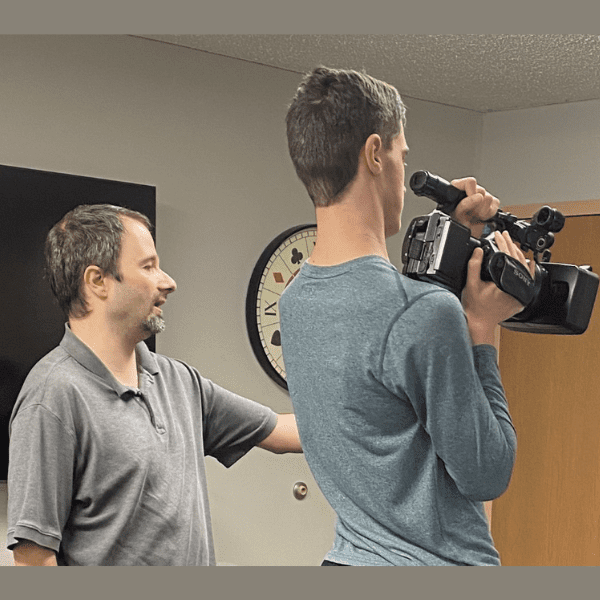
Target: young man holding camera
x=395 y=384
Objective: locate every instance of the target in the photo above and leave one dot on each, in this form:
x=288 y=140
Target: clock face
x=274 y=271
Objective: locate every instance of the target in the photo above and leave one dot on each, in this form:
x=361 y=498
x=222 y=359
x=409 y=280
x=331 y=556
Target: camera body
x=559 y=300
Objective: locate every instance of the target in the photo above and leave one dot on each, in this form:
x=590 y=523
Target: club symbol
x=297 y=257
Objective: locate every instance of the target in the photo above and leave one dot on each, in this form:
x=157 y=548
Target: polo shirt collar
x=146 y=359
x=85 y=356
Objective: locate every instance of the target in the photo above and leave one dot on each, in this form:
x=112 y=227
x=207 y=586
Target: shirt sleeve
x=232 y=424
x=40 y=477
x=456 y=392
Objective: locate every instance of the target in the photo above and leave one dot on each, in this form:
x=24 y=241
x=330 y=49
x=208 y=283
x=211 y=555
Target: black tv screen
x=32 y=323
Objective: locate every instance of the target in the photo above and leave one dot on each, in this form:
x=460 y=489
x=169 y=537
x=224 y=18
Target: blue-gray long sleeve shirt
x=403 y=422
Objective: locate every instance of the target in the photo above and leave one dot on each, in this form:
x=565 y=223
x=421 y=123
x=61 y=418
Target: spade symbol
x=276 y=338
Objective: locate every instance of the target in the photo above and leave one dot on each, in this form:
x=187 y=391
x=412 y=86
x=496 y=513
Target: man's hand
x=476 y=208
x=485 y=305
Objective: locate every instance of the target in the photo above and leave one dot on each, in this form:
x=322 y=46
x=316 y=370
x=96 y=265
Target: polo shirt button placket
x=160 y=428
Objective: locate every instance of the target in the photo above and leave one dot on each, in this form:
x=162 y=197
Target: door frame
x=572 y=208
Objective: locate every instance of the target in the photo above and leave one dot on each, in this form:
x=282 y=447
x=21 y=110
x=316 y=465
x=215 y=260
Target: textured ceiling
x=488 y=72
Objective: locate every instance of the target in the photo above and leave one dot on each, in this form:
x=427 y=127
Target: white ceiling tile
x=488 y=72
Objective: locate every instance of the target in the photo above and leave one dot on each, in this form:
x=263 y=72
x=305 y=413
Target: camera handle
x=437 y=189
x=537 y=236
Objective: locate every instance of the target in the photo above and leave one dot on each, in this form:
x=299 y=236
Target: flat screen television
x=32 y=323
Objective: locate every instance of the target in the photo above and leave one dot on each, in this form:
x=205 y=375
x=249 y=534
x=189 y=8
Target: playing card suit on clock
x=276 y=268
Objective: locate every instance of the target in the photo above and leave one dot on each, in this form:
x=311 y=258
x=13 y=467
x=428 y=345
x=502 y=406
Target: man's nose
x=168 y=283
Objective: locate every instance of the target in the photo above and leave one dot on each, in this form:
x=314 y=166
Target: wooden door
x=550 y=513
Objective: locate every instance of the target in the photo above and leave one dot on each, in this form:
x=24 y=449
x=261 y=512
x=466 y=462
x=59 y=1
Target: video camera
x=559 y=300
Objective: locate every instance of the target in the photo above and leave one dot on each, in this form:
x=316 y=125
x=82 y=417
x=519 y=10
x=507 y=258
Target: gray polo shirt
x=105 y=474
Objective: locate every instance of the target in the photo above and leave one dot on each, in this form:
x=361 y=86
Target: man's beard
x=154 y=324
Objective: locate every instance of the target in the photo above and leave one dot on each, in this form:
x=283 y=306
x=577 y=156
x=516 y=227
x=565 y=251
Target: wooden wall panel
x=550 y=513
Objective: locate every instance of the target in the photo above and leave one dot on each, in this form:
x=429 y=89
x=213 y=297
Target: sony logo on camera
x=524 y=278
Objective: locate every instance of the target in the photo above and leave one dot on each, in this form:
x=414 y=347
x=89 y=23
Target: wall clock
x=274 y=271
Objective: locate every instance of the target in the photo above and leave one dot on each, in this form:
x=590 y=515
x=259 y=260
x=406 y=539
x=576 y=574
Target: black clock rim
x=253 y=285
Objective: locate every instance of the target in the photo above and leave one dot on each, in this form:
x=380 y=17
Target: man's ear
x=94 y=282
x=372 y=148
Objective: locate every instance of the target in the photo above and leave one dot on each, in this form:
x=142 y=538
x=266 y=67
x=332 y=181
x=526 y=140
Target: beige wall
x=5 y=555
x=209 y=133
x=442 y=140
x=549 y=154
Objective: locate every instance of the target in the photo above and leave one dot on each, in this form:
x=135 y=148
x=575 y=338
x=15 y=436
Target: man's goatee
x=154 y=324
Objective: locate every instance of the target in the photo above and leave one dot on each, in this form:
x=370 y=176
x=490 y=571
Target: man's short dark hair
x=87 y=235
x=329 y=120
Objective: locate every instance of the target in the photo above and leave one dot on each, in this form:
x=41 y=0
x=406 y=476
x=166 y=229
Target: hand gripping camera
x=559 y=300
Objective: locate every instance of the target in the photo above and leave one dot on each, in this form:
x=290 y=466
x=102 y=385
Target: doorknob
x=300 y=490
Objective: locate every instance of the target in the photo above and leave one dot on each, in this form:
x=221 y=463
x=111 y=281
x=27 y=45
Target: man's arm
x=28 y=554
x=284 y=438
